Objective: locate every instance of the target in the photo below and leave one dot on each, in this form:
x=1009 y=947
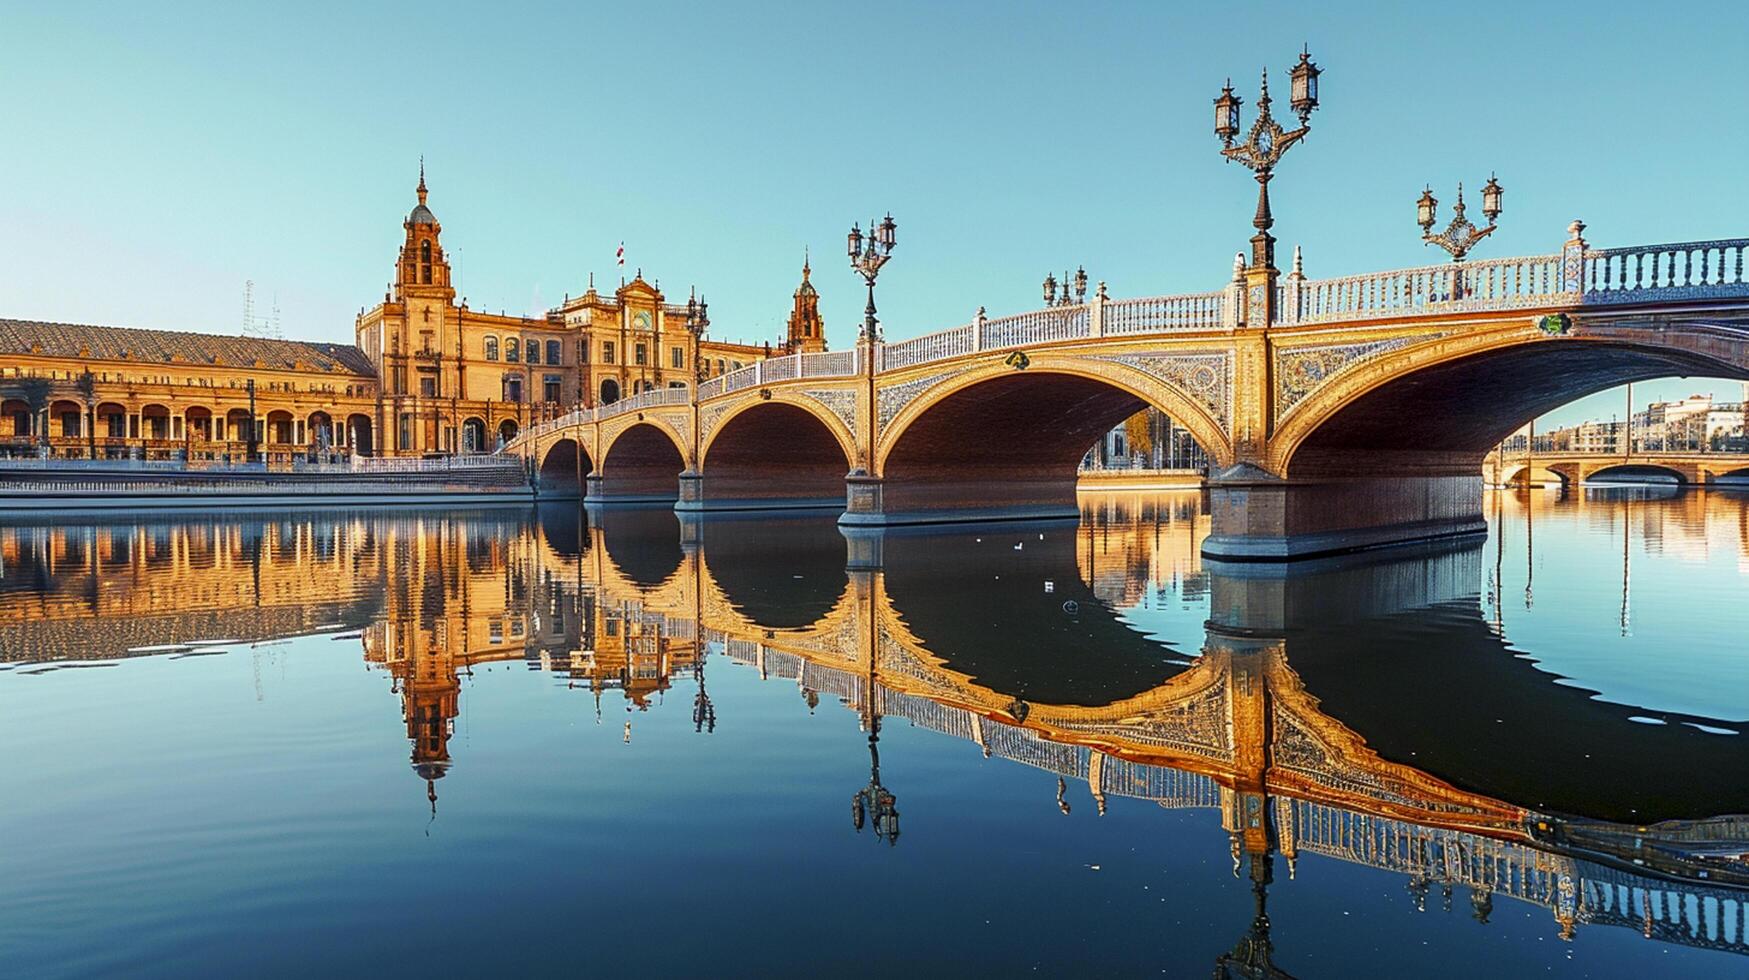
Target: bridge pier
x=773 y=491
x=1255 y=516
x=976 y=497
x=600 y=489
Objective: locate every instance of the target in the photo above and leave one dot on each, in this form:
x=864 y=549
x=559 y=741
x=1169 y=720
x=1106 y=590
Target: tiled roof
x=77 y=340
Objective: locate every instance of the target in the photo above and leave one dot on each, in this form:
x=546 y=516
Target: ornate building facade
x=427 y=375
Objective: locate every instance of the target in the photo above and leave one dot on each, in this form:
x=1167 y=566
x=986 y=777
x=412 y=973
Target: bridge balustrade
x=1494 y=284
x=1702 y=269
x=1162 y=314
x=936 y=346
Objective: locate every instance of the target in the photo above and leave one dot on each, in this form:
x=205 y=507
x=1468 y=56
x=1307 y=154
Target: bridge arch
x=1629 y=471
x=641 y=462
x=564 y=469
x=1441 y=405
x=1519 y=474
x=1001 y=441
x=777 y=452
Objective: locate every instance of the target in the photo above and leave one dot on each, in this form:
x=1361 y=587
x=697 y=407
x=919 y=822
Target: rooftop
x=84 y=341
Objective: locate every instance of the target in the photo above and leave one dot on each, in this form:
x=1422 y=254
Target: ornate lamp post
x=698 y=320
x=867 y=255
x=1264 y=145
x=1462 y=234
x=1080 y=281
x=875 y=800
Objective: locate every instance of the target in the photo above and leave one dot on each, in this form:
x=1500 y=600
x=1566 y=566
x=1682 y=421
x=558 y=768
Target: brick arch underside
x=642 y=464
x=774 y=452
x=1009 y=446
x=1632 y=472
x=564 y=469
x=1443 y=419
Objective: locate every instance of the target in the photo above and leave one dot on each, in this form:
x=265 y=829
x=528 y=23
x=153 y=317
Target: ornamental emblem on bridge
x=1017 y=360
x=1555 y=324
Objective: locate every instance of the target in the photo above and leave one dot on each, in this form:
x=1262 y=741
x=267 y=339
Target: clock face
x=641 y=320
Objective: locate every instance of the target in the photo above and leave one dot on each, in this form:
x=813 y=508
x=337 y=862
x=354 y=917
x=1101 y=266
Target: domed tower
x=807 y=332
x=423 y=271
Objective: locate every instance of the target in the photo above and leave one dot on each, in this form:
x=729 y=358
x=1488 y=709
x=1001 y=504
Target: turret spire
x=422 y=178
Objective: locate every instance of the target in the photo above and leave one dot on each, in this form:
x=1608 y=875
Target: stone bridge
x=1571 y=468
x=1338 y=414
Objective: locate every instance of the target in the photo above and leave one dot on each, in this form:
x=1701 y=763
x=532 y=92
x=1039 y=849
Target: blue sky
x=159 y=155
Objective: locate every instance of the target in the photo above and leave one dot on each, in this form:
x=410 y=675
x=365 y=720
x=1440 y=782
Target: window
x=607 y=352
x=642 y=353
x=554 y=352
x=676 y=384
x=550 y=387
x=512 y=350
x=582 y=352
x=738 y=365
x=679 y=357
x=534 y=352
x=513 y=387
x=491 y=348
x=406 y=430
x=719 y=365
x=428 y=387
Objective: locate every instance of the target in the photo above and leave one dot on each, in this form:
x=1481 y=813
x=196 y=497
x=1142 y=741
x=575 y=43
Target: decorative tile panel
x=841 y=402
x=1299 y=371
x=1207 y=377
x=891 y=400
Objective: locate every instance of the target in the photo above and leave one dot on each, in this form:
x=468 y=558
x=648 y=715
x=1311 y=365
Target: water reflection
x=1380 y=710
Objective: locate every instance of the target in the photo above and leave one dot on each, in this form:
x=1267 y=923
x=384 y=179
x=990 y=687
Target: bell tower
x=807 y=332
x=423 y=271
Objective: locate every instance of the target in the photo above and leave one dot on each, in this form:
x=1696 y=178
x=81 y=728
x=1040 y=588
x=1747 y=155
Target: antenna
x=264 y=327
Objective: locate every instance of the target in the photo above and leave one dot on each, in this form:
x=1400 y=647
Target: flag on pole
x=620 y=256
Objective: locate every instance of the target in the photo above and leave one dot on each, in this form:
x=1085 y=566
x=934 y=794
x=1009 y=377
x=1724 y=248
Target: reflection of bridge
x=1235 y=729
x=1573 y=467
x=1338 y=413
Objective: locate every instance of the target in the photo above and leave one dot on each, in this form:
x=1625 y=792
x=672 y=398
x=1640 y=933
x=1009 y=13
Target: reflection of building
x=1234 y=733
x=427 y=374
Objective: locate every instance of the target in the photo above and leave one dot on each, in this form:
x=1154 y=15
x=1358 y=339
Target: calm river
x=538 y=741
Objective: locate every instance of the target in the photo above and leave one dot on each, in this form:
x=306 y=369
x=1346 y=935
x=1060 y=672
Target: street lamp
x=698 y=320
x=1265 y=143
x=867 y=255
x=1080 y=284
x=1462 y=234
x=875 y=800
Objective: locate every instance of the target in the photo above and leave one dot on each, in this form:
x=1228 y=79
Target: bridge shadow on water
x=1397 y=646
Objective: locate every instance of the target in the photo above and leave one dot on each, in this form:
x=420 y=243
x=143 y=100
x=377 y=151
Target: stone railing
x=1159 y=314
x=1653 y=273
x=1494 y=284
x=936 y=346
x=821 y=364
x=644 y=399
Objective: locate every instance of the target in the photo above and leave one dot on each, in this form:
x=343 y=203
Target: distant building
x=426 y=375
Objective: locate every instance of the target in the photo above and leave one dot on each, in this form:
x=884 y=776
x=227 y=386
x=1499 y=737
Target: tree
x=87 y=386
x=35 y=394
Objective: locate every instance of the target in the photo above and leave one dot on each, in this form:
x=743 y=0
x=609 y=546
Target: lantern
x=1491 y=198
x=886 y=232
x=855 y=241
x=1050 y=285
x=1425 y=209
x=1305 y=86
x=1227 y=114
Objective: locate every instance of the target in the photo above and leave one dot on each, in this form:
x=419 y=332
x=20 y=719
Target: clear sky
x=158 y=155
